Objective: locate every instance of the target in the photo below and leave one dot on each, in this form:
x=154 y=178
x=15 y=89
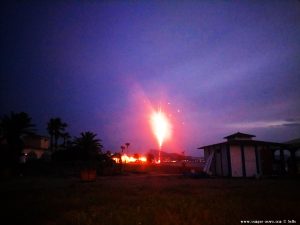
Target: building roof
x=35 y=136
x=246 y=139
x=294 y=142
x=247 y=142
x=239 y=135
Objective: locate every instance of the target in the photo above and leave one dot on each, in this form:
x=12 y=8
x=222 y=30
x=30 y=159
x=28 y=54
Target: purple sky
x=217 y=67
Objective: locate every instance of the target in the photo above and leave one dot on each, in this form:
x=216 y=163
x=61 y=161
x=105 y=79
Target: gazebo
x=241 y=156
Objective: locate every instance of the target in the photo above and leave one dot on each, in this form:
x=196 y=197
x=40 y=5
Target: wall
x=36 y=142
x=44 y=143
x=224 y=160
x=218 y=162
x=250 y=160
x=236 y=161
x=38 y=152
x=207 y=152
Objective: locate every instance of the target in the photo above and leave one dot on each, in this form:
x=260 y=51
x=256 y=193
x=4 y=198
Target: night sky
x=214 y=67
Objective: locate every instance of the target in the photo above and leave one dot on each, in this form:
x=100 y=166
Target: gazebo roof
x=239 y=135
x=247 y=142
x=246 y=139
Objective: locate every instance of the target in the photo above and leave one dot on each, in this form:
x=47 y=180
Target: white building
x=241 y=156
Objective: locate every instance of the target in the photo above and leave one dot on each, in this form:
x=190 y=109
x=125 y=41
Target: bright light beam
x=161 y=128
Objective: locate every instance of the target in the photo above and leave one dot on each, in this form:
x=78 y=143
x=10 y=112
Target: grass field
x=147 y=199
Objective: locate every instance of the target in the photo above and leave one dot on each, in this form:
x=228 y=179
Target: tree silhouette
x=127 y=146
x=88 y=145
x=122 y=148
x=56 y=130
x=66 y=138
x=13 y=128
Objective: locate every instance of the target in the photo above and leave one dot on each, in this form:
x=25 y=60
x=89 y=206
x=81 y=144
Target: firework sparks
x=161 y=128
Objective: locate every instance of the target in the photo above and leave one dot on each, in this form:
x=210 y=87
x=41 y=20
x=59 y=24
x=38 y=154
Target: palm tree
x=88 y=145
x=66 y=136
x=122 y=148
x=13 y=128
x=127 y=145
x=55 y=129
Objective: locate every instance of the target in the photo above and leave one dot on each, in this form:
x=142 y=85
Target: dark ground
x=147 y=198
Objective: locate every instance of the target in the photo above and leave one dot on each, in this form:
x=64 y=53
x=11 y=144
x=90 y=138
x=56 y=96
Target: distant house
x=241 y=156
x=35 y=146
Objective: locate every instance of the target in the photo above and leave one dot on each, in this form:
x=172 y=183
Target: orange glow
x=129 y=159
x=161 y=127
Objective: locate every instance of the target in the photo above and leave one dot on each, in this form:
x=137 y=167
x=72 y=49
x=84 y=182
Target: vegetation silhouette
x=84 y=151
x=66 y=139
x=122 y=148
x=127 y=146
x=56 y=128
x=13 y=128
x=88 y=144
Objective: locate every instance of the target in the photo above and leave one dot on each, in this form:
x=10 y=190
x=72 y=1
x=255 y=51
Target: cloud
x=266 y=124
x=292 y=119
x=297 y=124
